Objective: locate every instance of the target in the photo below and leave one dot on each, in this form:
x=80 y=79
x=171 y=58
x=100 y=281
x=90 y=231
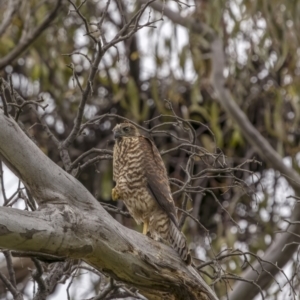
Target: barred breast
x=129 y=175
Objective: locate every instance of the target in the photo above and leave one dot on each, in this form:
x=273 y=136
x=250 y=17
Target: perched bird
x=142 y=183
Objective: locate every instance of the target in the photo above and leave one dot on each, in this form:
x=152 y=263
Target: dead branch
x=78 y=219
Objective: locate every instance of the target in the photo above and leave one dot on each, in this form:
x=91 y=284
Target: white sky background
x=148 y=68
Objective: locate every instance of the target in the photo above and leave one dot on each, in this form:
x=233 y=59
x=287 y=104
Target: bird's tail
x=178 y=242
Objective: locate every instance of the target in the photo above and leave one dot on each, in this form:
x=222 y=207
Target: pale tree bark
x=71 y=223
x=286 y=243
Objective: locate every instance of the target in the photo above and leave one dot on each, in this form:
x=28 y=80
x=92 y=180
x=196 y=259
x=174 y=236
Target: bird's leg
x=145 y=228
x=114 y=194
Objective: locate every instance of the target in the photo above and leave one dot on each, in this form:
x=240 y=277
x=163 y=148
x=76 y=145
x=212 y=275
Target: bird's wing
x=157 y=179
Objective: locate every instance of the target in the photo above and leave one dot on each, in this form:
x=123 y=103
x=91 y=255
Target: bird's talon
x=114 y=194
x=145 y=228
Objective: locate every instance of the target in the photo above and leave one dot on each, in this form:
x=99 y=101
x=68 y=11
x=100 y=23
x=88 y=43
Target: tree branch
x=71 y=223
x=277 y=252
x=17 y=295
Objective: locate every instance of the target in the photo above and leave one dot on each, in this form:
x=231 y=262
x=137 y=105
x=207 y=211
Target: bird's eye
x=126 y=129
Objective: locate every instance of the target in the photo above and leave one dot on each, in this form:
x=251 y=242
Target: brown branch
x=78 y=53
x=91 y=161
x=121 y=36
x=85 y=94
x=100 y=23
x=84 y=98
x=28 y=102
x=194 y=219
x=113 y=209
x=100 y=52
x=77 y=10
x=85 y=154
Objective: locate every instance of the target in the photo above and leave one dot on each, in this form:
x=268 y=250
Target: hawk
x=142 y=183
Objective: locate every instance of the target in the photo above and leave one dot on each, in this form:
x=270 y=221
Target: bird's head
x=125 y=130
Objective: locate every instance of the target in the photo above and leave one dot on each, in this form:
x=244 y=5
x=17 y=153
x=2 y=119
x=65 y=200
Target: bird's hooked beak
x=117 y=132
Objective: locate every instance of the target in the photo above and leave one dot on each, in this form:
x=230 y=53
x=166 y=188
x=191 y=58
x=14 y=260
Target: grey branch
x=71 y=223
x=277 y=253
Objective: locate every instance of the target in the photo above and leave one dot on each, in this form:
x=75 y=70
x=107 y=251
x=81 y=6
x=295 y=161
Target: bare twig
x=28 y=102
x=3 y=97
x=2 y=183
x=17 y=295
x=10 y=268
x=85 y=22
x=193 y=218
x=84 y=155
x=92 y=161
x=15 y=95
x=78 y=53
x=133 y=25
x=84 y=98
x=107 y=289
x=116 y=210
x=37 y=276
